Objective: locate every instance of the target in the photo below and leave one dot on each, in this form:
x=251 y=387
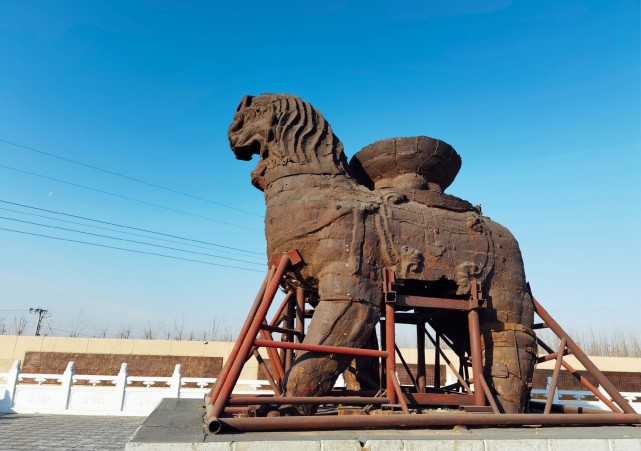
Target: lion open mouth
x=246 y=151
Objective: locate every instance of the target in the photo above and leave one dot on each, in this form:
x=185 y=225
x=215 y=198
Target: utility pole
x=41 y=315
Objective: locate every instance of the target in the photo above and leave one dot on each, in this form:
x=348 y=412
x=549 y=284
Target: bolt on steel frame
x=472 y=395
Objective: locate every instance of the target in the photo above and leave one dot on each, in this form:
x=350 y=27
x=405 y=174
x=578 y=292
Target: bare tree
x=78 y=324
x=148 y=332
x=179 y=328
x=19 y=325
x=125 y=332
x=3 y=325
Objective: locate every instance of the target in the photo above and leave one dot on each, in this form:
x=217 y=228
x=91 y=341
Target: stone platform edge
x=176 y=425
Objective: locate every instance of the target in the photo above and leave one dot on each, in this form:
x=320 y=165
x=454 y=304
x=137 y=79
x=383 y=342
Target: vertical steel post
x=390 y=347
x=300 y=313
x=289 y=324
x=421 y=379
x=437 y=362
x=475 y=354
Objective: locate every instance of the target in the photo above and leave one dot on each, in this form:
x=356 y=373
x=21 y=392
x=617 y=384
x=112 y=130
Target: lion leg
x=508 y=341
x=343 y=317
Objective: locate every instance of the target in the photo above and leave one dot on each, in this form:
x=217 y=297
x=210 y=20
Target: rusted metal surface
x=322 y=348
x=586 y=383
x=215 y=408
x=408 y=399
x=440 y=399
x=233 y=354
x=562 y=408
x=475 y=349
x=555 y=376
x=347 y=400
x=385 y=209
x=416 y=421
x=584 y=360
x=378 y=242
x=390 y=362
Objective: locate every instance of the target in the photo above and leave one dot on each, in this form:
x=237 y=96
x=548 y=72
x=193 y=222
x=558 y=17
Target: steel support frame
x=221 y=405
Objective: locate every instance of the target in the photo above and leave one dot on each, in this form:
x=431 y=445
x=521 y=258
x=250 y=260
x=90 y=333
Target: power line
x=120 y=231
x=120 y=196
x=128 y=227
x=129 y=241
x=134 y=179
x=128 y=250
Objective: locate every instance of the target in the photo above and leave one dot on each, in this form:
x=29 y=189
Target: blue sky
x=541 y=100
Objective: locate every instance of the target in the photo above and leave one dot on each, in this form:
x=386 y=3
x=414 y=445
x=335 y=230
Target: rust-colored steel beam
x=421 y=378
x=300 y=314
x=555 y=376
x=552 y=356
x=562 y=408
x=390 y=346
x=320 y=400
x=274 y=358
x=281 y=330
x=440 y=399
x=233 y=354
x=584 y=359
x=317 y=423
x=399 y=394
x=215 y=408
x=266 y=373
x=488 y=395
x=475 y=354
x=447 y=360
x=586 y=383
x=236 y=410
x=321 y=348
x=289 y=332
x=437 y=361
x=429 y=302
x=408 y=371
x=278 y=317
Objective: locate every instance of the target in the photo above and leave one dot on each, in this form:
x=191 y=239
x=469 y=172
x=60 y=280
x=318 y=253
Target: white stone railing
x=584 y=398
x=122 y=394
x=138 y=395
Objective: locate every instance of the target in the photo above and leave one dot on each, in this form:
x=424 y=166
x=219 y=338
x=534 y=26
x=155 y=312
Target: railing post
x=67 y=383
x=121 y=386
x=549 y=387
x=174 y=384
x=13 y=377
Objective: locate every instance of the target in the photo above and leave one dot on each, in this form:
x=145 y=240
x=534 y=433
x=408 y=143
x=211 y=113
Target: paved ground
x=20 y=432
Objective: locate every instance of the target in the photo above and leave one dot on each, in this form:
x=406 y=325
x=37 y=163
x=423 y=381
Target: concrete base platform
x=176 y=424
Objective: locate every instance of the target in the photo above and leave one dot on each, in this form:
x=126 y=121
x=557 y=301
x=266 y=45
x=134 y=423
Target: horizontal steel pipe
x=320 y=400
x=321 y=348
x=562 y=408
x=317 y=423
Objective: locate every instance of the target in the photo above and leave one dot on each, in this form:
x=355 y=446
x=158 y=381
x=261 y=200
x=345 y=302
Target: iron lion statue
x=386 y=208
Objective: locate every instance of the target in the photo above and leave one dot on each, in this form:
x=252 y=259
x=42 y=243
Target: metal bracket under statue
x=378 y=407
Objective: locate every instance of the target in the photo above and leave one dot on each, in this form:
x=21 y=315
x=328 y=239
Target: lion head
x=284 y=131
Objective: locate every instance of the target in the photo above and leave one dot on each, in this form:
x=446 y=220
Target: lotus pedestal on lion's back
x=384 y=209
